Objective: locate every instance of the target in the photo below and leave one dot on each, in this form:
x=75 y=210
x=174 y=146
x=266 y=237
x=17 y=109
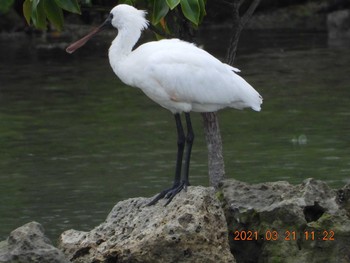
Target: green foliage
x=54 y=13
x=39 y=11
x=160 y=8
x=159 y=11
x=193 y=10
x=172 y=3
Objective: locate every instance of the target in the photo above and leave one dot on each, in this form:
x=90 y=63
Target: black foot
x=169 y=193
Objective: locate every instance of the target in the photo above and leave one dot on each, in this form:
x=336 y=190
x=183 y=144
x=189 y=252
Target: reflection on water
x=74 y=140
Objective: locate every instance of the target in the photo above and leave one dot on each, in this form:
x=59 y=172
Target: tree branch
x=237 y=26
x=248 y=14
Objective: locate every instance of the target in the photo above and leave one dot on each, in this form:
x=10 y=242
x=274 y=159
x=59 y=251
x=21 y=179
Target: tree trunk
x=216 y=166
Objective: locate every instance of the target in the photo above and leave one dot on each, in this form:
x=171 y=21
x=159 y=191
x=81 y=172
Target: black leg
x=180 y=149
x=171 y=192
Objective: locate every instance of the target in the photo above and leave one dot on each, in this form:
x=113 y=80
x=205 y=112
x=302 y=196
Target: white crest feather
x=126 y=15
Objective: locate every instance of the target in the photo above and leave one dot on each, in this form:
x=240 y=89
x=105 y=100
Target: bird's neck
x=123 y=44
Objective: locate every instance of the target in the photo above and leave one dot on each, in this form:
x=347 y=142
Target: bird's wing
x=189 y=74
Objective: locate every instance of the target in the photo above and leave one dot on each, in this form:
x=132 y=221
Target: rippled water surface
x=74 y=140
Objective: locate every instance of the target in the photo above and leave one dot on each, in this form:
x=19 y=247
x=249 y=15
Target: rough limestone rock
x=192 y=228
x=280 y=222
x=343 y=198
x=28 y=244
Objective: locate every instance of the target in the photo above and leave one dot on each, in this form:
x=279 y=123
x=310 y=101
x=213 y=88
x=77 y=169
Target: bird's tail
x=249 y=95
x=257 y=105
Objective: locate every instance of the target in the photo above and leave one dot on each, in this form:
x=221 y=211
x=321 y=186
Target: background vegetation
x=43 y=13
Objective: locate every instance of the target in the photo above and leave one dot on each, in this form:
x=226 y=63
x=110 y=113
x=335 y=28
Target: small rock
x=338 y=24
x=192 y=228
x=28 y=244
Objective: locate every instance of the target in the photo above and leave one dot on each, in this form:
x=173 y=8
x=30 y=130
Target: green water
x=74 y=140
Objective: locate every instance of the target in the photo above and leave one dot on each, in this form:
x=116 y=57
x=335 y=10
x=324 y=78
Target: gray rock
x=343 y=198
x=28 y=244
x=338 y=24
x=192 y=228
x=267 y=222
x=286 y=223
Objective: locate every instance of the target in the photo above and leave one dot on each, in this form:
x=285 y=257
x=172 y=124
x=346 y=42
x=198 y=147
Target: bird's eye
x=109 y=18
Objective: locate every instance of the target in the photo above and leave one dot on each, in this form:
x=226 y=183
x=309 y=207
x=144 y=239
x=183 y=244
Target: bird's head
x=126 y=16
x=121 y=17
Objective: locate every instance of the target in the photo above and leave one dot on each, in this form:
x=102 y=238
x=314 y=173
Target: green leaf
x=160 y=9
x=172 y=3
x=191 y=10
x=27 y=10
x=5 y=6
x=69 y=5
x=54 y=13
x=203 y=12
x=38 y=14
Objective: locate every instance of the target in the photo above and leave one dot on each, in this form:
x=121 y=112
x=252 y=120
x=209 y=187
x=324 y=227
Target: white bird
x=175 y=74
